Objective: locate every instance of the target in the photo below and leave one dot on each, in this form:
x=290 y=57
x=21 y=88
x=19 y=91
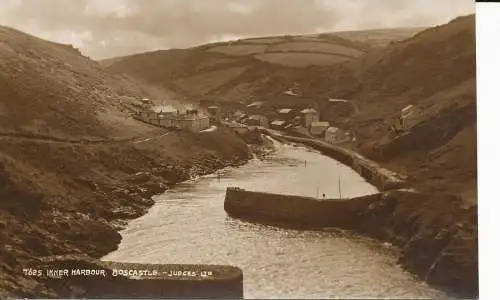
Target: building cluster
x=285 y=119
x=215 y=113
x=180 y=119
x=307 y=119
x=242 y=117
x=288 y=118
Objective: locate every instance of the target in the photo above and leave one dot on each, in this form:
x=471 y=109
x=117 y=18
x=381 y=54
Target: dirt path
x=51 y=139
x=150 y=138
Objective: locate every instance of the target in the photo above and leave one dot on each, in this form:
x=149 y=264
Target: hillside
x=230 y=71
x=73 y=163
x=378 y=72
x=435 y=72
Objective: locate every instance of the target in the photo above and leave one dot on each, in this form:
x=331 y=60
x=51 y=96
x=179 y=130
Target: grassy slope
x=181 y=69
x=60 y=193
x=262 y=77
x=435 y=71
x=377 y=37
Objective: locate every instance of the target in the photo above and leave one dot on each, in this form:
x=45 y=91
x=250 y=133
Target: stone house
x=277 y=124
x=308 y=116
x=286 y=114
x=257 y=120
x=319 y=128
x=334 y=134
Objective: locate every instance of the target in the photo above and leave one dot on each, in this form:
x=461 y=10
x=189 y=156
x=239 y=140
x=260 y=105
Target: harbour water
x=188 y=225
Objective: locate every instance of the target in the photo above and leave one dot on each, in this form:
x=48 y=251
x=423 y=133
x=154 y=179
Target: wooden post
x=340 y=190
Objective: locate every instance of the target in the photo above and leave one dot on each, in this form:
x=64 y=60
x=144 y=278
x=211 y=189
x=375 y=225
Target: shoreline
x=86 y=222
x=405 y=223
x=436 y=232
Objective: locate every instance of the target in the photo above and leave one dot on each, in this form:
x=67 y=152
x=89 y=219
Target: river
x=188 y=225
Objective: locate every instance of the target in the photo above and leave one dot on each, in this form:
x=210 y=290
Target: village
x=305 y=122
x=186 y=118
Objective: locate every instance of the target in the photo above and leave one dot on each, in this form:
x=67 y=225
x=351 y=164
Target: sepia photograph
x=238 y=149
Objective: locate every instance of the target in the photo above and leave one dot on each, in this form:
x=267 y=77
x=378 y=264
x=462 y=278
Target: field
x=213 y=62
x=264 y=41
x=378 y=37
x=239 y=50
x=315 y=47
x=301 y=60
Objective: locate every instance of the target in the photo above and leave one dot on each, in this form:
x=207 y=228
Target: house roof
x=337 y=100
x=407 y=108
x=190 y=118
x=308 y=110
x=284 y=110
x=164 y=109
x=320 y=124
x=410 y=111
x=255 y=117
x=236 y=125
x=258 y=103
x=332 y=129
x=278 y=122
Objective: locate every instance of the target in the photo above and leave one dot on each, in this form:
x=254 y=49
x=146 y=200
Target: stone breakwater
x=296 y=211
x=436 y=232
x=90 y=278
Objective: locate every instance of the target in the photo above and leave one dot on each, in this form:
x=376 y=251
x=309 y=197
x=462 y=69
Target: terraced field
x=295 y=52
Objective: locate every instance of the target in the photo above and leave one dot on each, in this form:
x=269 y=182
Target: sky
x=109 y=28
